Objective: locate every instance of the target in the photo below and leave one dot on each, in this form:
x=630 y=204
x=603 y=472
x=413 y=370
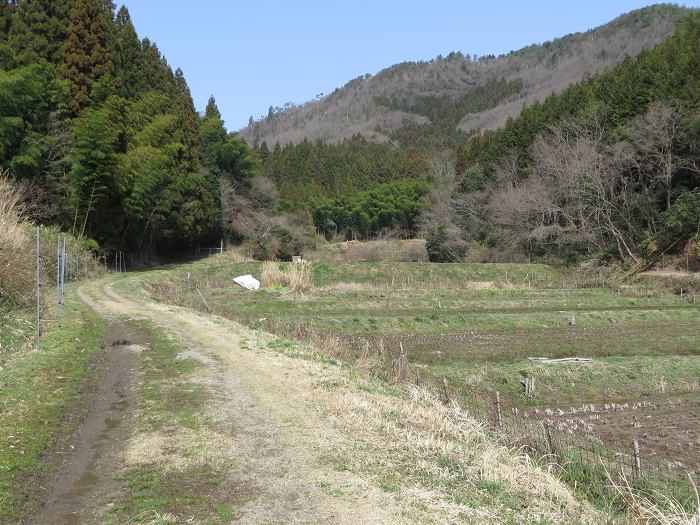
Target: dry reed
x=295 y=278
x=663 y=511
x=16 y=261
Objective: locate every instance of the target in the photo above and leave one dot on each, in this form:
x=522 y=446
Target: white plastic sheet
x=248 y=282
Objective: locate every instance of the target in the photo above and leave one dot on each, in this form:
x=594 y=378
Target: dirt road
x=280 y=436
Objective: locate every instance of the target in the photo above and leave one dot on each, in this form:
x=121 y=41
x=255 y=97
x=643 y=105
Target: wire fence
x=58 y=259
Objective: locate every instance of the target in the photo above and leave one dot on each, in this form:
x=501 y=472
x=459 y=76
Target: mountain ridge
x=386 y=107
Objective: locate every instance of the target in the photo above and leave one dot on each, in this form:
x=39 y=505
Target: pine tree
x=7 y=9
x=39 y=28
x=128 y=56
x=155 y=73
x=87 y=53
x=213 y=136
x=263 y=151
x=188 y=124
x=212 y=110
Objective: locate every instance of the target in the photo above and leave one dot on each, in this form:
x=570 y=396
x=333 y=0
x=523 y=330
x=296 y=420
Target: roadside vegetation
x=41 y=398
x=42 y=392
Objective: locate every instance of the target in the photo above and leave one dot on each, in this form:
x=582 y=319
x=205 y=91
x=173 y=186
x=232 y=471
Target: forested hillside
x=436 y=103
x=608 y=169
x=101 y=132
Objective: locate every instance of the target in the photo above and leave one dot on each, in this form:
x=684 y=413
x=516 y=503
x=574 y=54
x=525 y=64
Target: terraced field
x=476 y=325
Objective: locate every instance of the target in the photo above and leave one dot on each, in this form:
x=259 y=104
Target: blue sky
x=258 y=53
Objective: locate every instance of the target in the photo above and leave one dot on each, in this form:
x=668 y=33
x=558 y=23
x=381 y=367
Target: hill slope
x=438 y=102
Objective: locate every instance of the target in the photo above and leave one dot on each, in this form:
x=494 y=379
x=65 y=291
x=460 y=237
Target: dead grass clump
x=664 y=510
x=348 y=287
x=295 y=277
x=16 y=251
x=386 y=251
x=173 y=451
x=441 y=451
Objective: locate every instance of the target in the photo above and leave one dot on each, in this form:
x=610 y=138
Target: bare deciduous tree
x=440 y=203
x=578 y=191
x=657 y=134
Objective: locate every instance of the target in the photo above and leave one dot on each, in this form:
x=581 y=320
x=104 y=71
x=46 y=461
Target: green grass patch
x=169 y=402
x=36 y=391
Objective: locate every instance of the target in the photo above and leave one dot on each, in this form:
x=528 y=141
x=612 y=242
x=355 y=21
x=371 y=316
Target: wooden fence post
x=548 y=436
x=445 y=390
x=637 y=461
x=529 y=386
x=202 y=297
x=499 y=417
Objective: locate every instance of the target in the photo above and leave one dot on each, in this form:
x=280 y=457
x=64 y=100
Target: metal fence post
x=58 y=271
x=37 y=329
x=64 y=257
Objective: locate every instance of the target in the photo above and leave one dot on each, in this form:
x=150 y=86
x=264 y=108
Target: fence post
x=37 y=328
x=637 y=461
x=58 y=275
x=548 y=436
x=529 y=386
x=64 y=258
x=202 y=297
x=445 y=390
x=499 y=417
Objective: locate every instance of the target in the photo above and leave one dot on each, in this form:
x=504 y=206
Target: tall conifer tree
x=213 y=137
x=155 y=73
x=39 y=28
x=128 y=55
x=6 y=13
x=188 y=124
x=87 y=53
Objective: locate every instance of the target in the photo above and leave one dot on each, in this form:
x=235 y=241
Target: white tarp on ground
x=248 y=282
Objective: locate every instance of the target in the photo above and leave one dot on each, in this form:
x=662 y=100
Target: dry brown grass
x=17 y=249
x=386 y=250
x=16 y=252
x=295 y=278
x=641 y=510
x=348 y=287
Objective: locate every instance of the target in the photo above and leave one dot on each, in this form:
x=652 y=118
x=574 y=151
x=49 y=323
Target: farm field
x=475 y=325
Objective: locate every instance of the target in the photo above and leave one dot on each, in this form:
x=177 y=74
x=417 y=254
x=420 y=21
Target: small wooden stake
x=203 y=300
x=637 y=460
x=548 y=436
x=445 y=390
x=499 y=418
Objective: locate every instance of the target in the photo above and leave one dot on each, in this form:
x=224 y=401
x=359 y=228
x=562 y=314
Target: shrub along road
x=200 y=420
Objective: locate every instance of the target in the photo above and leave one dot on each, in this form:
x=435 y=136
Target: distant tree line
x=394 y=207
x=315 y=169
